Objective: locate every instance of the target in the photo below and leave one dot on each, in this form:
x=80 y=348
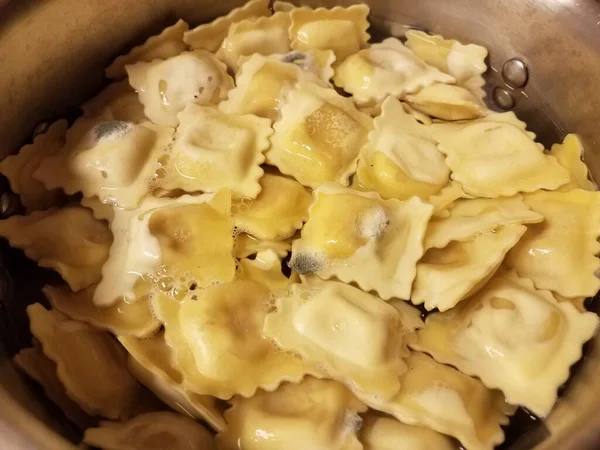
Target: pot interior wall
x=52 y=54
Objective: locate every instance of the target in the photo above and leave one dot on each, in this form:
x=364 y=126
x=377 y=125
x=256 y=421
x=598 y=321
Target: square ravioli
x=321 y=414
x=216 y=335
x=356 y=337
x=343 y=30
x=400 y=160
x=262 y=36
x=559 y=254
x=319 y=136
x=447 y=401
x=166 y=87
x=358 y=237
x=513 y=337
x=570 y=155
x=385 y=69
x=214 y=150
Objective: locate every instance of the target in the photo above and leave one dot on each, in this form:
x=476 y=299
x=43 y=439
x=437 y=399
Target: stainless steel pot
x=52 y=53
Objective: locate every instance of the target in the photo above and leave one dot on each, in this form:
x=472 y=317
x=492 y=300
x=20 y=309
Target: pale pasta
x=245 y=217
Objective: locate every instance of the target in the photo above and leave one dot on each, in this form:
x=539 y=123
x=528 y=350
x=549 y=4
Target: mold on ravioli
x=445 y=276
x=68 y=239
x=321 y=414
x=468 y=218
x=114 y=161
x=90 y=364
x=356 y=337
x=19 y=168
x=319 y=136
x=496 y=159
x=150 y=361
x=513 y=337
x=358 y=237
x=570 y=155
x=559 y=254
x=263 y=36
x=445 y=400
x=400 y=160
x=214 y=150
x=151 y=431
x=384 y=433
x=343 y=30
x=166 y=87
x=262 y=85
x=218 y=336
x=280 y=209
x=447 y=102
x=121 y=318
x=165 y=239
x=161 y=46
x=385 y=69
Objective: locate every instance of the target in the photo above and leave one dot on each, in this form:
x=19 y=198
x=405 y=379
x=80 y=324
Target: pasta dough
x=569 y=155
x=117 y=102
x=318 y=137
x=357 y=236
x=90 y=364
x=162 y=46
x=321 y=414
x=19 y=168
x=387 y=68
x=400 y=160
x=68 y=240
x=280 y=209
x=447 y=102
x=151 y=431
x=265 y=268
x=356 y=337
x=445 y=400
x=559 y=254
x=214 y=150
x=343 y=30
x=166 y=87
x=513 y=337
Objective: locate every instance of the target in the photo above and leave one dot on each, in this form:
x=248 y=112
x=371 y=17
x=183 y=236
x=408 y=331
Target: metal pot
x=52 y=53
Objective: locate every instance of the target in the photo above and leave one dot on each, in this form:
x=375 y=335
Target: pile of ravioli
x=267 y=139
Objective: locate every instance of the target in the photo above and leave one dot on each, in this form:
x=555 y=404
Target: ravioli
x=400 y=160
x=68 y=240
x=356 y=337
x=263 y=36
x=164 y=240
x=384 y=433
x=121 y=318
x=265 y=268
x=245 y=245
x=497 y=159
x=559 y=254
x=151 y=431
x=570 y=155
x=117 y=102
x=513 y=337
x=166 y=87
x=385 y=69
x=19 y=168
x=343 y=30
x=214 y=150
x=209 y=36
x=114 y=161
x=280 y=209
x=321 y=414
x=150 y=360
x=447 y=102
x=262 y=85
x=90 y=364
x=466 y=63
x=319 y=136
x=447 y=401
x=218 y=335
x=356 y=236
x=448 y=275
x=161 y=46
